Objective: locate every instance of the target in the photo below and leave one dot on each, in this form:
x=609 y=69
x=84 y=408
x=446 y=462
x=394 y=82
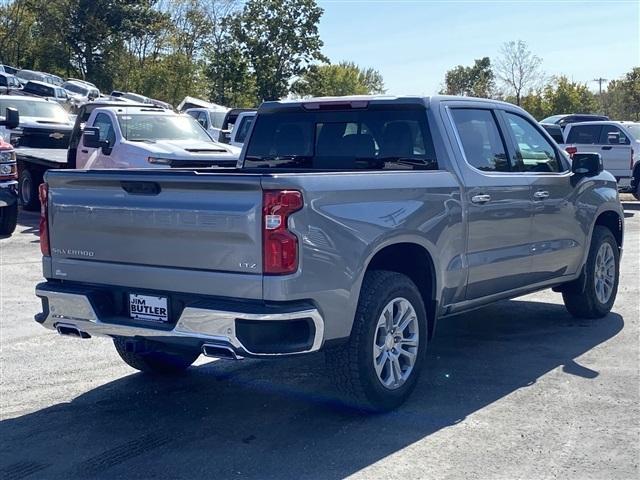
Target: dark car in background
x=566 y=118
x=555 y=131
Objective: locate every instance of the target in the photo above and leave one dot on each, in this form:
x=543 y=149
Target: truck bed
x=49 y=157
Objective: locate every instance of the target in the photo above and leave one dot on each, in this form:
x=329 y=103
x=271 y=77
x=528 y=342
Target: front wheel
x=598 y=284
x=157 y=362
x=378 y=368
x=8 y=219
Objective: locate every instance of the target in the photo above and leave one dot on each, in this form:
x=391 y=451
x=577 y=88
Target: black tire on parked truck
x=373 y=370
x=636 y=191
x=28 y=184
x=8 y=219
x=157 y=362
x=593 y=294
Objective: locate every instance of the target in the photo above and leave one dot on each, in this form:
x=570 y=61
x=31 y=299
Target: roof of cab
x=358 y=100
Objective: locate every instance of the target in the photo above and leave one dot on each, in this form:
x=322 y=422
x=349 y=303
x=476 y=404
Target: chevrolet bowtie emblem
x=56 y=135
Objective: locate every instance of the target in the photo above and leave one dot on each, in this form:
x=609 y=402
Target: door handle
x=541 y=195
x=607 y=147
x=84 y=151
x=481 y=198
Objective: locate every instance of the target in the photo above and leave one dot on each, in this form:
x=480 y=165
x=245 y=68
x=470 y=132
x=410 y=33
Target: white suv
x=617 y=142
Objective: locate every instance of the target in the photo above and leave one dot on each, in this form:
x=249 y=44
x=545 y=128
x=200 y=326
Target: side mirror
x=11 y=118
x=91 y=138
x=587 y=164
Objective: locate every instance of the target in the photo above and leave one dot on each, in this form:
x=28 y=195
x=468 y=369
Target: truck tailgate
x=170 y=220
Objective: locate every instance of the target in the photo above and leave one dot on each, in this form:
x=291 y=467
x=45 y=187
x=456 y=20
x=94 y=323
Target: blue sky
x=413 y=43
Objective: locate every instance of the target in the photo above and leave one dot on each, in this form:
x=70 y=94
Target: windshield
x=28 y=75
x=75 y=88
x=30 y=108
x=144 y=127
x=373 y=139
x=634 y=129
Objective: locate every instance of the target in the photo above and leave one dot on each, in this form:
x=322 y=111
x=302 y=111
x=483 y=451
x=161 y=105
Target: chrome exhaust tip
x=71 y=331
x=219 y=351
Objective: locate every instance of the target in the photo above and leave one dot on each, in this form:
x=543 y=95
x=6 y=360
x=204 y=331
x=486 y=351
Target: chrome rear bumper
x=74 y=311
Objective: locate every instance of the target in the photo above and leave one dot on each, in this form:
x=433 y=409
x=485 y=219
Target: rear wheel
x=378 y=368
x=595 y=291
x=158 y=362
x=28 y=191
x=8 y=219
x=636 y=191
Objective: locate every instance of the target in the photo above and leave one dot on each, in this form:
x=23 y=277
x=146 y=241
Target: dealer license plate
x=145 y=307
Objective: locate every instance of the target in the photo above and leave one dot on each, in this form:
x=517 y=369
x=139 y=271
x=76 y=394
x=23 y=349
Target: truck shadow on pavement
x=278 y=419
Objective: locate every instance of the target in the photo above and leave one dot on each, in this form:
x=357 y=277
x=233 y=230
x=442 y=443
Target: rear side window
x=534 y=153
x=612 y=135
x=376 y=138
x=584 y=134
x=483 y=146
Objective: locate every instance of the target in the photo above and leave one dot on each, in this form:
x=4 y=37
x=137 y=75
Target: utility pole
x=600 y=81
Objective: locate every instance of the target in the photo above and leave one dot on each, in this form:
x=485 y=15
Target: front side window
x=534 y=153
x=243 y=129
x=367 y=139
x=107 y=132
x=147 y=127
x=481 y=140
x=584 y=134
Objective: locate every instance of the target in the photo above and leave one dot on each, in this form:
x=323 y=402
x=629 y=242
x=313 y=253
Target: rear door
x=499 y=205
x=615 y=148
x=241 y=128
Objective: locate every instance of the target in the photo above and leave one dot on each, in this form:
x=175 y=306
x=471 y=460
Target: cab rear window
x=367 y=139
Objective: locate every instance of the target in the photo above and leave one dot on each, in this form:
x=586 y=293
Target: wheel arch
x=410 y=259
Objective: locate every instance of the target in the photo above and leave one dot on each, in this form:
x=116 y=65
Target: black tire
x=157 y=362
x=28 y=191
x=8 y=219
x=636 y=191
x=352 y=366
x=581 y=299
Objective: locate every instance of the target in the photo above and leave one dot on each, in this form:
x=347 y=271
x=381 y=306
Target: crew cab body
x=221 y=121
x=444 y=204
x=618 y=143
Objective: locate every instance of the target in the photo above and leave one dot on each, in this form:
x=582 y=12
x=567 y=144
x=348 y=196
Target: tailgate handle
x=141 y=188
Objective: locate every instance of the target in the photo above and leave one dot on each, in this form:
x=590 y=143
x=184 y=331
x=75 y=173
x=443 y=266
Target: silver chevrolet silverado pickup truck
x=350 y=225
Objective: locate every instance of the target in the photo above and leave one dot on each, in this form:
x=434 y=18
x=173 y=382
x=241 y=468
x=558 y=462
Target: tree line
x=230 y=52
x=516 y=76
x=239 y=53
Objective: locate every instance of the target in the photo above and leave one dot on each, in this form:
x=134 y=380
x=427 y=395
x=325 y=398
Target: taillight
x=279 y=245
x=43 y=190
x=571 y=151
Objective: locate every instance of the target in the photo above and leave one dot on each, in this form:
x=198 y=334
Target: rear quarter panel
x=349 y=217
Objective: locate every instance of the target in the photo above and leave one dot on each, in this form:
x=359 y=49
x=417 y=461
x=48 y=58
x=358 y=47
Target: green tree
x=623 y=97
x=279 y=38
x=477 y=80
x=345 y=78
x=559 y=96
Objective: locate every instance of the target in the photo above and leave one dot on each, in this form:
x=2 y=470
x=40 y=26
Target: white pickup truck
x=618 y=143
x=139 y=137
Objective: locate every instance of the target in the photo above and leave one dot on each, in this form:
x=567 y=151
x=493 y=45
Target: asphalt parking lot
x=516 y=390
